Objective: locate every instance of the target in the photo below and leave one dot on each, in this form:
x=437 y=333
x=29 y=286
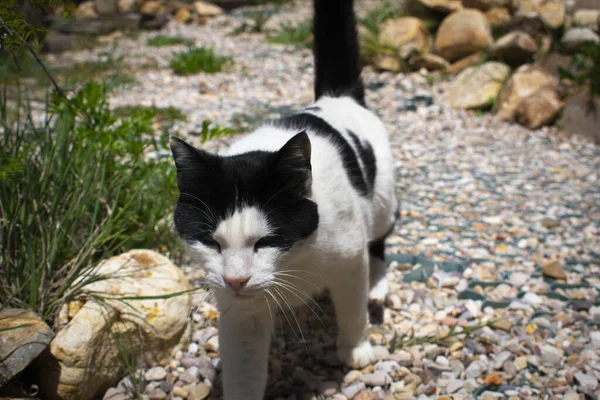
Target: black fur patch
x=336 y=50
x=365 y=152
x=318 y=126
x=212 y=187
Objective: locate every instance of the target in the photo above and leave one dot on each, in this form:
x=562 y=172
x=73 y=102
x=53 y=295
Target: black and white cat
x=302 y=204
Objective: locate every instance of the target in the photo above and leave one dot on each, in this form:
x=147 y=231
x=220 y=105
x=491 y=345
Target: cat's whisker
x=295 y=291
x=293 y=315
x=308 y=296
x=286 y=301
x=270 y=315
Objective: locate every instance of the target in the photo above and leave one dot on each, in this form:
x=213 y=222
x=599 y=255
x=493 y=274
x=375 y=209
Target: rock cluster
x=473 y=32
x=100 y=17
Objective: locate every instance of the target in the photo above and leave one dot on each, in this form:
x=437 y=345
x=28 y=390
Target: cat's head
x=240 y=215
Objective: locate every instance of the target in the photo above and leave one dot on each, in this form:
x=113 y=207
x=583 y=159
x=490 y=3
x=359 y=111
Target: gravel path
x=499 y=232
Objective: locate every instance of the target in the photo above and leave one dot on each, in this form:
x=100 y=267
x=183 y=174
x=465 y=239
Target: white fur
x=335 y=256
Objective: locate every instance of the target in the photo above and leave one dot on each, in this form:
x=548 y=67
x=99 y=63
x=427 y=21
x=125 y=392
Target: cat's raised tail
x=336 y=51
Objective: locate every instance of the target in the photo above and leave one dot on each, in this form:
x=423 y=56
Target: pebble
x=155 y=374
x=157 y=394
x=201 y=392
x=595 y=314
x=352 y=376
x=364 y=395
x=587 y=382
x=551 y=355
x=328 y=388
x=454 y=385
x=532 y=299
x=351 y=390
x=476 y=369
x=115 y=394
x=377 y=378
x=595 y=337
x=180 y=392
x=501 y=358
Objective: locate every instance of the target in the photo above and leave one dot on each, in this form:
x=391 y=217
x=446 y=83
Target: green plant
x=163 y=40
x=160 y=114
x=81 y=186
x=585 y=68
x=300 y=34
x=198 y=60
x=379 y=14
x=212 y=131
x=259 y=20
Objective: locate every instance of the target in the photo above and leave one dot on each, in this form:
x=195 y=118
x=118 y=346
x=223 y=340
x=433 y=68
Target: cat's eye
x=266 y=241
x=209 y=241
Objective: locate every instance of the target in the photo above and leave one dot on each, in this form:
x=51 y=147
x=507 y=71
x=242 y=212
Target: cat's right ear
x=190 y=161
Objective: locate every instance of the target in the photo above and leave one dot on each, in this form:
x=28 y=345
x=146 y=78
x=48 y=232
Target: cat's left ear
x=191 y=163
x=293 y=164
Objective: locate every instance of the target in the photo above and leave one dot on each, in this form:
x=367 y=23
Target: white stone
x=155 y=374
x=476 y=369
x=153 y=326
x=595 y=337
x=532 y=299
x=587 y=382
x=551 y=355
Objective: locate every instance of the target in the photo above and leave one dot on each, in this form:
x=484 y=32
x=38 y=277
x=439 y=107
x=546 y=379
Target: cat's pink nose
x=237 y=283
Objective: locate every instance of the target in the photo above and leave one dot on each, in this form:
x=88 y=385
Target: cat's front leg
x=244 y=344
x=349 y=294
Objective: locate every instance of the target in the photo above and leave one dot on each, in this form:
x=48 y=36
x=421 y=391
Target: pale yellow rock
x=205 y=9
x=552 y=12
x=84 y=358
x=407 y=34
x=587 y=18
x=477 y=87
x=462 y=33
x=430 y=62
x=86 y=10
x=540 y=109
x=513 y=47
x=152 y=8
x=126 y=6
x=183 y=15
x=387 y=62
x=464 y=63
x=498 y=17
x=527 y=80
x=443 y=6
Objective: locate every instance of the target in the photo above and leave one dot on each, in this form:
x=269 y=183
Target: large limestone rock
x=485 y=5
x=23 y=336
x=552 y=12
x=106 y=7
x=574 y=38
x=84 y=359
x=514 y=47
x=430 y=62
x=443 y=6
x=464 y=63
x=85 y=11
x=387 y=62
x=204 y=9
x=587 y=18
x=498 y=17
x=463 y=33
x=407 y=34
x=126 y=6
x=539 y=109
x=527 y=80
x=477 y=87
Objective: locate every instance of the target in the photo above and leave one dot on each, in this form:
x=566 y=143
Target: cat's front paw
x=358 y=356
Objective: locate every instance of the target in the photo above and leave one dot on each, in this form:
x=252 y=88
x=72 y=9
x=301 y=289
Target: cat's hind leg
x=378 y=284
x=350 y=299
